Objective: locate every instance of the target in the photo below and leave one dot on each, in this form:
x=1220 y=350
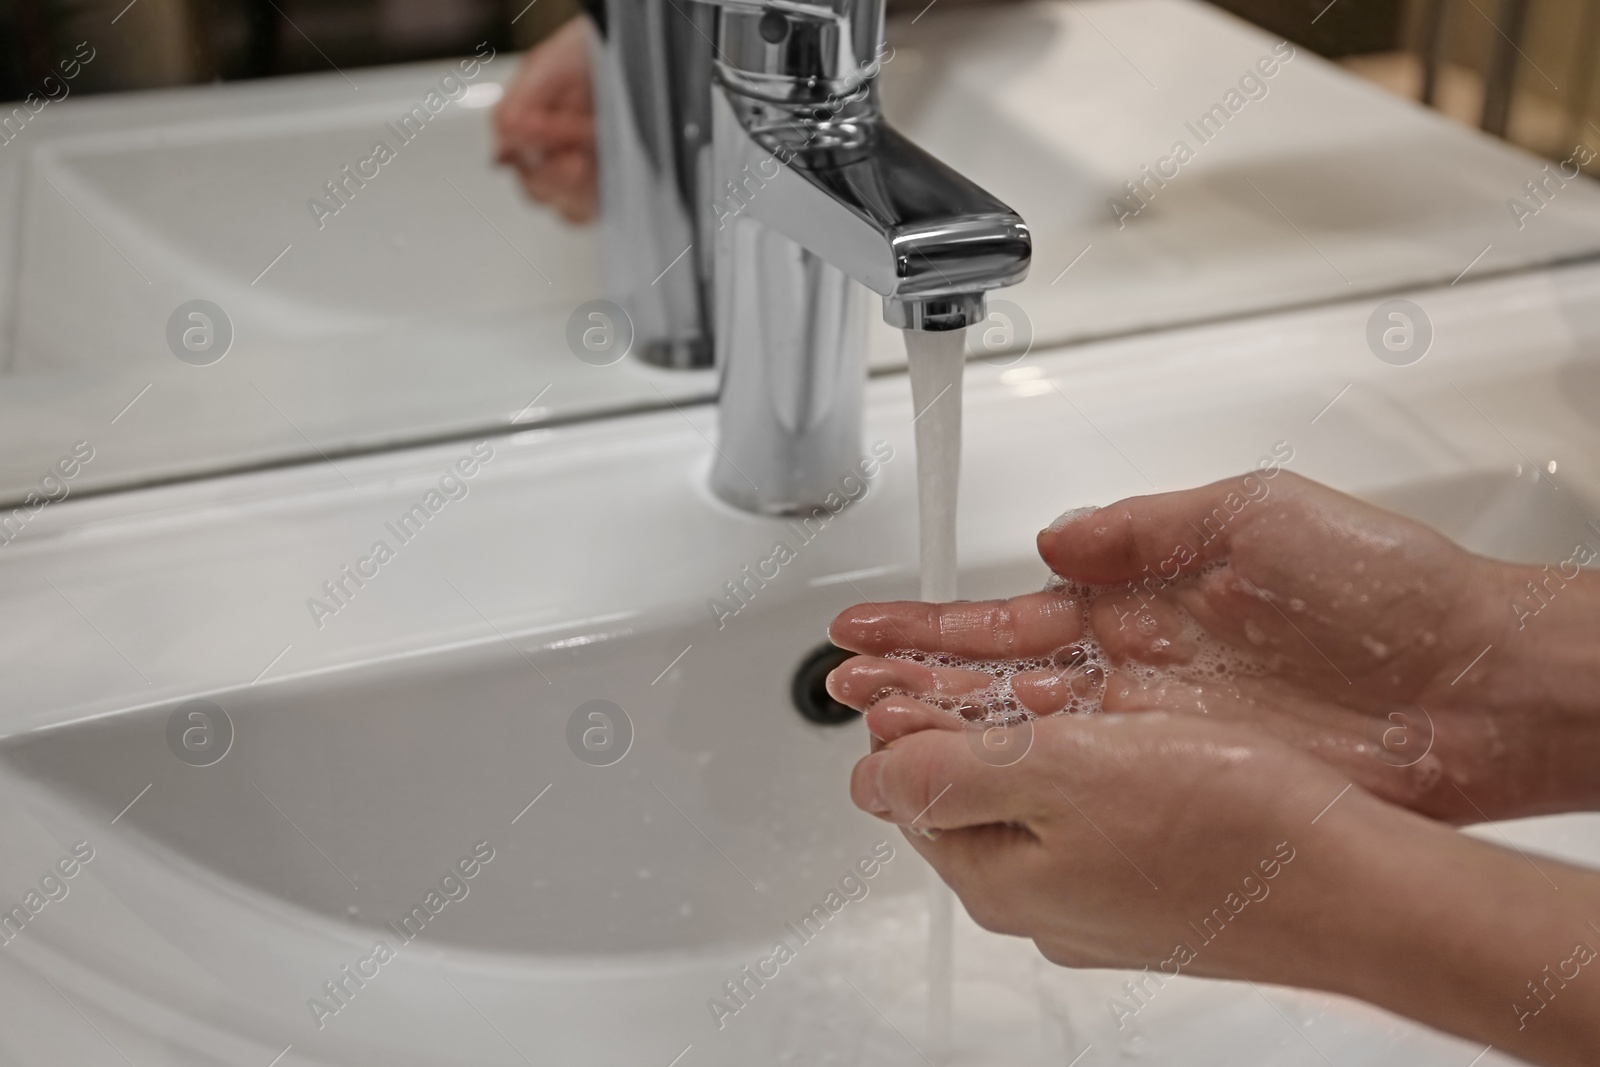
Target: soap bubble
x=998 y=724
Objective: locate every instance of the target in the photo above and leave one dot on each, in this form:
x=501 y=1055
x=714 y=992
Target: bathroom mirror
x=239 y=235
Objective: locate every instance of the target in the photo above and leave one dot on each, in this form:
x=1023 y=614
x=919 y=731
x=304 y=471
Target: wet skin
x=1115 y=833
x=1363 y=625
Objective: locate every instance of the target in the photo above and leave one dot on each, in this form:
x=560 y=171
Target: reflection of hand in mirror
x=544 y=124
x=1359 y=627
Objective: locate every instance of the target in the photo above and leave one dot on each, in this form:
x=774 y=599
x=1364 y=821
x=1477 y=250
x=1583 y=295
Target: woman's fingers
x=857 y=682
x=544 y=130
x=931 y=780
x=1159 y=537
x=544 y=124
x=899 y=716
x=1079 y=687
x=1148 y=630
x=1031 y=625
x=864 y=681
x=566 y=181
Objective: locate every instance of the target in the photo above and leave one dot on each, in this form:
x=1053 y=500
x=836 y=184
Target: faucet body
x=747 y=139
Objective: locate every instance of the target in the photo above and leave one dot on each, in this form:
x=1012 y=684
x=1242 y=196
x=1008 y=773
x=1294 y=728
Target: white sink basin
x=431 y=713
x=396 y=768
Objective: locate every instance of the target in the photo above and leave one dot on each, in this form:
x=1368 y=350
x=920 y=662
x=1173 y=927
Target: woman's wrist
x=1538 y=680
x=1550 y=624
x=1459 y=934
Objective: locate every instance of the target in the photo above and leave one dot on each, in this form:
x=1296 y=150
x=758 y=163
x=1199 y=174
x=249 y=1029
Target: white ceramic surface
x=426 y=715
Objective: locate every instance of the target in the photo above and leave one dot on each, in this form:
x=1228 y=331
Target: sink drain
x=809 y=690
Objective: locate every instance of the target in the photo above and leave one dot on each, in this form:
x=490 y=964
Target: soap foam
x=1085 y=662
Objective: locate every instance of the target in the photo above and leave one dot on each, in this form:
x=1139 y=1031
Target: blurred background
x=1518 y=70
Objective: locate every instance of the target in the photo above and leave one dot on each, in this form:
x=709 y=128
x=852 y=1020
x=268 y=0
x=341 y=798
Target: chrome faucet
x=748 y=183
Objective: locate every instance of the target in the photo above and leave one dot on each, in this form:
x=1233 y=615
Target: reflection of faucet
x=778 y=189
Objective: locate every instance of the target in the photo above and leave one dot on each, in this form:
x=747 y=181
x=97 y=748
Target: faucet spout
x=864 y=198
x=934 y=313
x=761 y=146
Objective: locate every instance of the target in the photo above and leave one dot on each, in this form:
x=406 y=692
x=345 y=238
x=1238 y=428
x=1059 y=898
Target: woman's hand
x=1104 y=836
x=1190 y=830
x=1368 y=633
x=1385 y=647
x=1173 y=844
x=544 y=124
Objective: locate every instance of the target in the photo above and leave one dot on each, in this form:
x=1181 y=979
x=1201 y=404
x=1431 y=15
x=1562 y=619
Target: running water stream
x=936 y=360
